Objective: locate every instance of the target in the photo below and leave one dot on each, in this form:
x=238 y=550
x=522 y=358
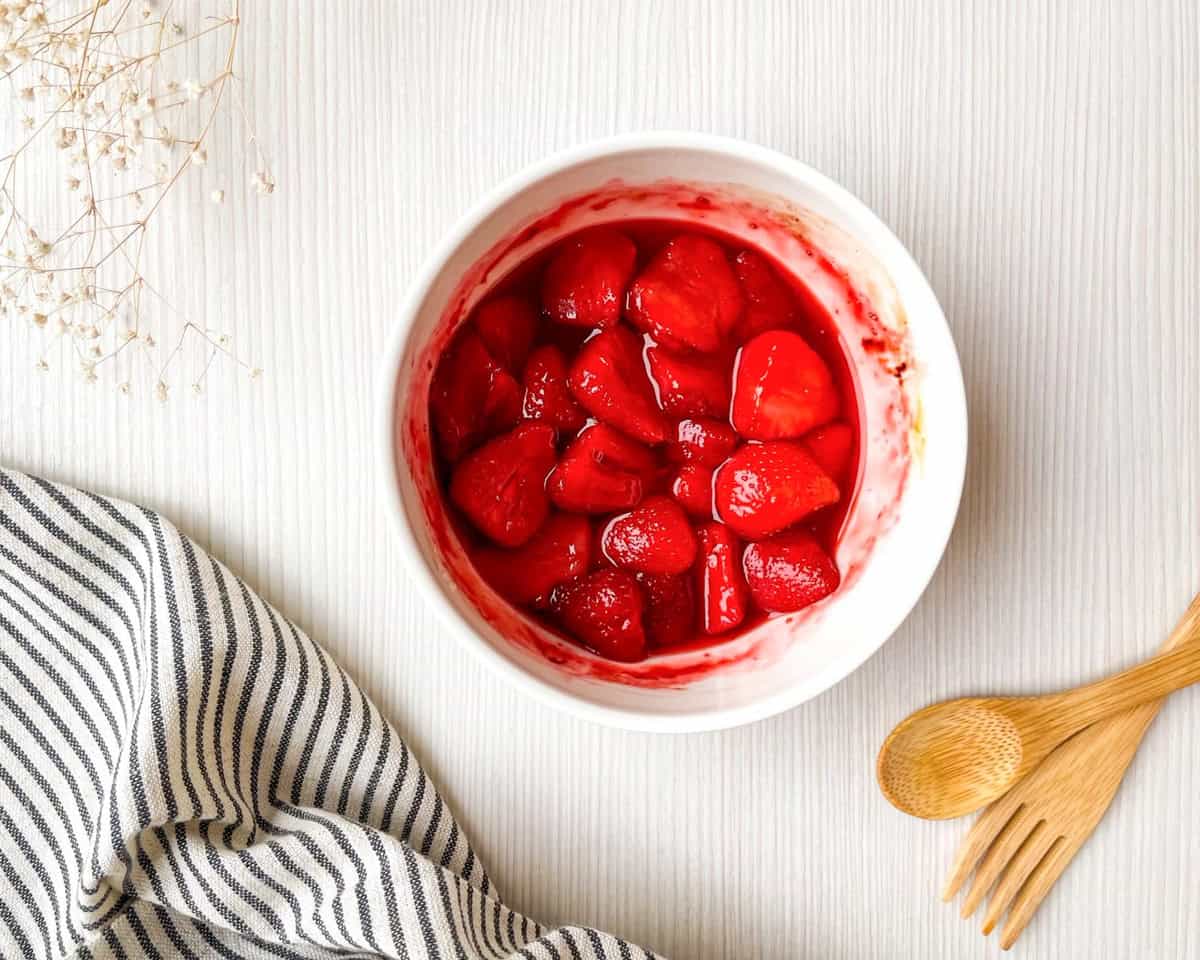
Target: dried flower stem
x=96 y=81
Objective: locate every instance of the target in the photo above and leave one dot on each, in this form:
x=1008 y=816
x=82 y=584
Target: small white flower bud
x=263 y=182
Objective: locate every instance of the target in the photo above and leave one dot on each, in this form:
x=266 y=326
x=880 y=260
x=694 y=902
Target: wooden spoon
x=953 y=758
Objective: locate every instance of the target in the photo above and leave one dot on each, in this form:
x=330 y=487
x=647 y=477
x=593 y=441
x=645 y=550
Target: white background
x=1041 y=162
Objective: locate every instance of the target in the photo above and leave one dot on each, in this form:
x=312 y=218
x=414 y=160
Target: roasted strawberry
x=689 y=386
x=559 y=551
x=788 y=572
x=586 y=485
x=613 y=449
x=604 y=610
x=702 y=440
x=609 y=380
x=501 y=486
x=602 y=471
x=831 y=446
x=507 y=326
x=670 y=608
x=546 y=394
x=692 y=488
x=770 y=303
x=585 y=282
x=766 y=487
x=781 y=388
x=654 y=537
x=471 y=396
x=722 y=591
x=687 y=296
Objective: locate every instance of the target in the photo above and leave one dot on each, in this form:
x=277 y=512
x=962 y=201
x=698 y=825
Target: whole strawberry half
x=614 y=449
x=788 y=572
x=471 y=396
x=781 y=388
x=692 y=489
x=559 y=551
x=687 y=296
x=689 y=386
x=719 y=581
x=585 y=282
x=547 y=396
x=766 y=487
x=702 y=440
x=604 y=611
x=770 y=303
x=507 y=326
x=501 y=486
x=831 y=446
x=601 y=471
x=584 y=484
x=608 y=378
x=654 y=537
x=670 y=608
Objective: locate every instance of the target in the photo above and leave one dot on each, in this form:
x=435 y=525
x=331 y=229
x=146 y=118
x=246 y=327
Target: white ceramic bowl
x=791 y=659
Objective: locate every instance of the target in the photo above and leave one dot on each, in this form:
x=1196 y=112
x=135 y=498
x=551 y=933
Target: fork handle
x=1155 y=678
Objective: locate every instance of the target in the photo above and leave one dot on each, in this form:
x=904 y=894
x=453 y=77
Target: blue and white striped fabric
x=183 y=773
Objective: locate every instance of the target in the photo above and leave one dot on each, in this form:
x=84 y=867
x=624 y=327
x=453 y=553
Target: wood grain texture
x=1042 y=162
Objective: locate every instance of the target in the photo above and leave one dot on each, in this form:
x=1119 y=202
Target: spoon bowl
x=951 y=758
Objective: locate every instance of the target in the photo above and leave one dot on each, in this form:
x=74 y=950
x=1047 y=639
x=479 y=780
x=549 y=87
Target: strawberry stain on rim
x=876 y=353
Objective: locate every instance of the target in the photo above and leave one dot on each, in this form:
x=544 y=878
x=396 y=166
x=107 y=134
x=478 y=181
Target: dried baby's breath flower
x=119 y=94
x=263 y=182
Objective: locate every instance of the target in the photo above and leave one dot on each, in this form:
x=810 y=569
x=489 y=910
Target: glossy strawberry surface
x=648 y=440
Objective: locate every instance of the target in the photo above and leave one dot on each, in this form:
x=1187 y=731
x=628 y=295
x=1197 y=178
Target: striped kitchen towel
x=183 y=773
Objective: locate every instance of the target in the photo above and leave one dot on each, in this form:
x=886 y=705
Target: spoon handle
x=1150 y=680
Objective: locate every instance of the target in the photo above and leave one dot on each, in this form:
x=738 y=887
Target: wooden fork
x=1023 y=842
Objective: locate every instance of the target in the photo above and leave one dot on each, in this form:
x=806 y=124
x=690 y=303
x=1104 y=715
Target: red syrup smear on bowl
x=851 y=328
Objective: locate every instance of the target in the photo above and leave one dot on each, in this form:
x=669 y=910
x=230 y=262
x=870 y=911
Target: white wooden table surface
x=1042 y=162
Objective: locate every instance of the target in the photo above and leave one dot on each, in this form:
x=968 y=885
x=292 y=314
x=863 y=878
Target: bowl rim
x=418 y=567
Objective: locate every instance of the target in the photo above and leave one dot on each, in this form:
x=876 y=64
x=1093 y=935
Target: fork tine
x=1019 y=869
x=977 y=841
x=998 y=856
x=1044 y=876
